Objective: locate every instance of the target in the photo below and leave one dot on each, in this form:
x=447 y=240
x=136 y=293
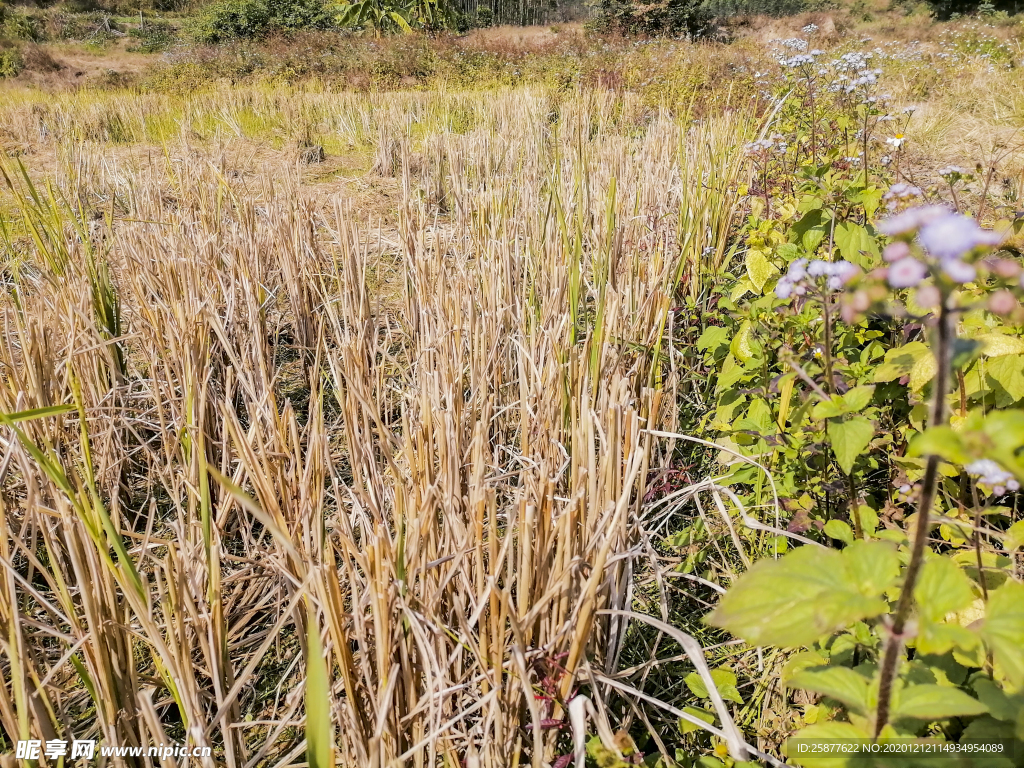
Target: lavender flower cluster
x=946 y=238
x=992 y=476
x=774 y=143
x=901 y=192
x=803 y=275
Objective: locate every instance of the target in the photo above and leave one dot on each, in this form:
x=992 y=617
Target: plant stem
x=827 y=354
x=858 y=528
x=894 y=644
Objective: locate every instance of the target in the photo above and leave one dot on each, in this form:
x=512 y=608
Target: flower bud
x=1002 y=302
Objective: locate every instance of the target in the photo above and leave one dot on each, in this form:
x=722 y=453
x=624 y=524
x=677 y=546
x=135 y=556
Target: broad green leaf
x=725 y=682
x=788 y=251
x=401 y=22
x=858 y=398
x=934 y=702
x=870 y=198
x=941 y=441
x=1014 y=537
x=319 y=731
x=1007 y=372
x=798 y=662
x=873 y=566
x=1003 y=629
x=942 y=591
x=900 y=361
x=849 y=438
x=812 y=218
x=713 y=338
x=940 y=638
x=760 y=413
x=1001 y=705
x=809 y=592
x=965 y=352
x=730 y=374
x=759 y=269
x=942 y=588
x=685 y=726
x=812 y=238
x=839 y=683
x=837 y=529
x=827 y=409
x=855 y=244
x=1005 y=431
x=989 y=730
x=1000 y=344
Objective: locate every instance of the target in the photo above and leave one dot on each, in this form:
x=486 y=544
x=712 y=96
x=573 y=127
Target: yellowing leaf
x=1007 y=373
x=743 y=343
x=1014 y=537
x=999 y=344
x=900 y=361
x=759 y=269
x=319 y=731
x=922 y=372
x=742 y=287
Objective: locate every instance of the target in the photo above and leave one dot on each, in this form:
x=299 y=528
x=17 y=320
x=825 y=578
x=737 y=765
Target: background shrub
x=667 y=17
x=155 y=36
x=232 y=19
x=11 y=62
x=301 y=14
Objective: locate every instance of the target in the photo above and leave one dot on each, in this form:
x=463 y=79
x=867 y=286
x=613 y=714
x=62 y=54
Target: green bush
x=230 y=19
x=152 y=38
x=19 y=26
x=666 y=17
x=301 y=14
x=950 y=9
x=11 y=62
x=233 y=19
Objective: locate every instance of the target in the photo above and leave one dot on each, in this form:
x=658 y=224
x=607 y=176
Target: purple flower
x=797 y=269
x=951 y=236
x=912 y=220
x=842 y=273
x=992 y=475
x=844 y=270
x=906 y=273
x=784 y=288
x=817 y=268
x=896 y=251
x=958 y=271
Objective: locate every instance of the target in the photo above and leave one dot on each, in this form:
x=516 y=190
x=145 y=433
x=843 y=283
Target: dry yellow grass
x=424 y=439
